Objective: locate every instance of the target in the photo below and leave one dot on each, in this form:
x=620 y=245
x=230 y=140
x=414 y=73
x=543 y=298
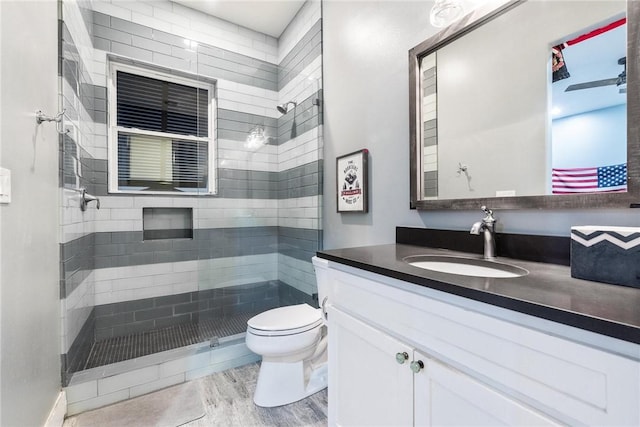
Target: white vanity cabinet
x=444 y=396
x=476 y=369
x=383 y=381
x=373 y=388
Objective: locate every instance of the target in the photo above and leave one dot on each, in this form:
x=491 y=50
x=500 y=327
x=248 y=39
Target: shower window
x=160 y=132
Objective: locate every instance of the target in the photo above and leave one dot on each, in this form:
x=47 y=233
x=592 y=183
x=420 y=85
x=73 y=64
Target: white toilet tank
x=323 y=277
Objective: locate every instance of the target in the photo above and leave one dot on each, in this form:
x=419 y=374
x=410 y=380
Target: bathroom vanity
x=409 y=346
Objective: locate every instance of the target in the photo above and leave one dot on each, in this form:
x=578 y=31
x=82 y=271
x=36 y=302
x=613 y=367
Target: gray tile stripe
x=428 y=142
x=308 y=48
x=430 y=187
x=69 y=49
x=431 y=180
x=235 y=125
x=303 y=118
x=127 y=317
x=74 y=71
x=126 y=248
x=140 y=42
x=225 y=115
x=232 y=125
x=73 y=360
x=431 y=175
x=430 y=124
x=76 y=263
x=80 y=169
x=306 y=60
x=299 y=243
x=430 y=133
x=144 y=43
x=207 y=311
x=429 y=72
x=300 y=181
x=430 y=184
x=430 y=192
x=212 y=62
x=429 y=82
x=430 y=90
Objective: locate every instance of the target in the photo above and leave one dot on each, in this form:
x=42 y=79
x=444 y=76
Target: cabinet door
x=367 y=385
x=447 y=397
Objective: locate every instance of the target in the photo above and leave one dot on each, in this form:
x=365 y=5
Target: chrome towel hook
x=42 y=117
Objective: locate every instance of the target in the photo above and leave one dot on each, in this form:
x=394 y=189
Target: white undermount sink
x=464 y=266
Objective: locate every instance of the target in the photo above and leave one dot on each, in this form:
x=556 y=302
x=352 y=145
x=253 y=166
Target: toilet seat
x=289 y=320
x=293 y=343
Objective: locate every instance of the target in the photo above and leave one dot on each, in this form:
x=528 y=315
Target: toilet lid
x=290 y=319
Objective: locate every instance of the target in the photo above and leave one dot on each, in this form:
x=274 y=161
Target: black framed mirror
x=494 y=136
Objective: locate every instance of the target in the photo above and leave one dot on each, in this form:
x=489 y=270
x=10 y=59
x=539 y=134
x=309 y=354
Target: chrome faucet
x=85 y=198
x=488 y=227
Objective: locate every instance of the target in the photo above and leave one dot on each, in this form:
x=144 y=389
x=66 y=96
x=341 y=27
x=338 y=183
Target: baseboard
x=58 y=412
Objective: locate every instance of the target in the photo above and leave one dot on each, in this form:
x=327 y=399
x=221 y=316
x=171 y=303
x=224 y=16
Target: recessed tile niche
x=167 y=223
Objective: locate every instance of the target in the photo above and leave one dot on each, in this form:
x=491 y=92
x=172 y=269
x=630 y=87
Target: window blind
x=161 y=106
x=161 y=164
x=152 y=115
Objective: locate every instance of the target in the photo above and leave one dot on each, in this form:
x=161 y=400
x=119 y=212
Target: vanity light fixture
x=445 y=12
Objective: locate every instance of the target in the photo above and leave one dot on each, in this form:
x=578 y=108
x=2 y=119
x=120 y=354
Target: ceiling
x=266 y=16
x=593 y=59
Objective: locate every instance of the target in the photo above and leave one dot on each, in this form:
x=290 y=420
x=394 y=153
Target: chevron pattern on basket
x=624 y=237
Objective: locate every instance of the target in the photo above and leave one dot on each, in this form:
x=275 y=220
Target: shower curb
x=105 y=385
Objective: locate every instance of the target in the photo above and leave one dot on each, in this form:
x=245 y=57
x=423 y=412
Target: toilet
x=292 y=341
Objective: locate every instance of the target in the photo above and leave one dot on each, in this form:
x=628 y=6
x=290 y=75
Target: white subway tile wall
x=269 y=199
x=307 y=17
x=118 y=284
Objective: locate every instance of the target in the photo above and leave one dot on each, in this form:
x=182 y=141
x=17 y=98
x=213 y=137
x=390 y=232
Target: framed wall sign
x=352 y=182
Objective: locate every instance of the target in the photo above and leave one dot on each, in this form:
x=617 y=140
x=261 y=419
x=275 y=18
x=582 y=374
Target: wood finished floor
x=228 y=400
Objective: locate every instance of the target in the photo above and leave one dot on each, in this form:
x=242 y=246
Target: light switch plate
x=5 y=185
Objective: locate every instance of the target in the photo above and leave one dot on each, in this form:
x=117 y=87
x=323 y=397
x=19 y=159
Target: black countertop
x=548 y=291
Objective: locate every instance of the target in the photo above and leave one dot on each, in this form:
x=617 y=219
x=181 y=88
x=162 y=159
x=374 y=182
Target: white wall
x=591 y=139
x=29 y=277
x=366 y=92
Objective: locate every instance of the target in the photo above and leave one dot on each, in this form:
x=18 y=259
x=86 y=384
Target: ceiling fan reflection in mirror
x=620 y=80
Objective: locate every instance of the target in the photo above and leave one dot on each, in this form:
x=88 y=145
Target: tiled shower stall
x=149 y=273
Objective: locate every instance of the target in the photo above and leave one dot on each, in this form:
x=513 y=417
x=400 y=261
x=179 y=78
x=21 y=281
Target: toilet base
x=283 y=383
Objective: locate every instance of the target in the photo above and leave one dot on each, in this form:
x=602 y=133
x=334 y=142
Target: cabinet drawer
x=570 y=381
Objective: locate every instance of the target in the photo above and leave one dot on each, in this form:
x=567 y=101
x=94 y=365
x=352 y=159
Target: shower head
x=283 y=108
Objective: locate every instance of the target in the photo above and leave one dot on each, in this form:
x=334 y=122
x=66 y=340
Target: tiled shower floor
x=117 y=349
